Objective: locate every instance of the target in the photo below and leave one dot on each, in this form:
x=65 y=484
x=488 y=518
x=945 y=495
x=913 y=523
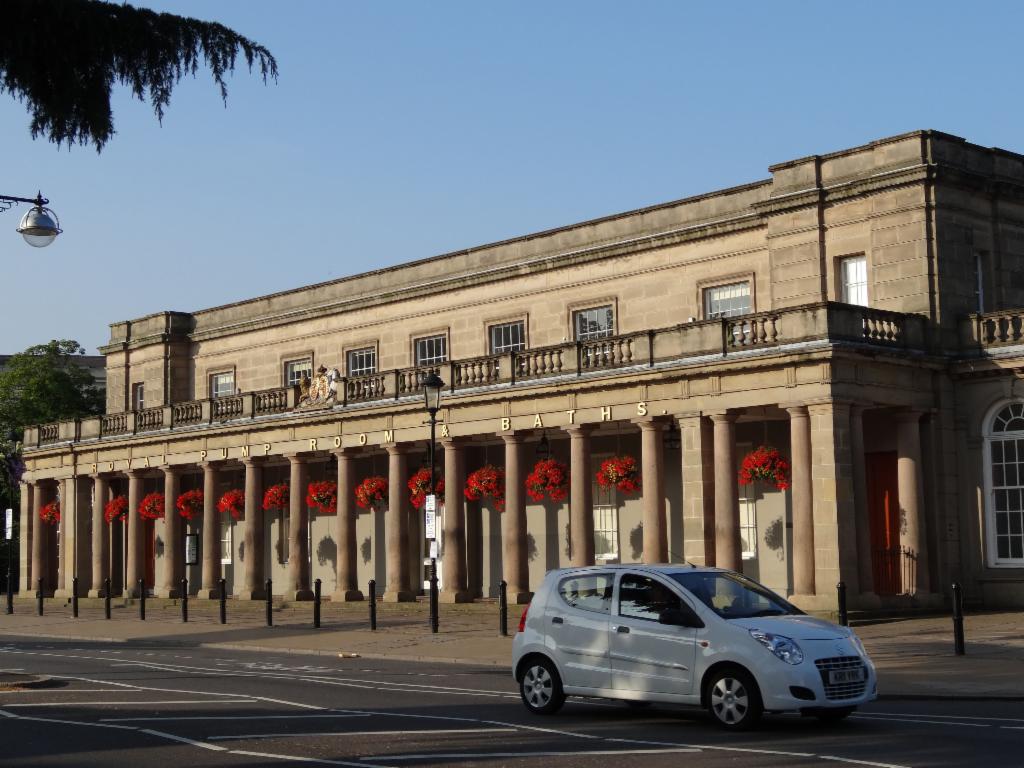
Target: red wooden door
x=884 y=518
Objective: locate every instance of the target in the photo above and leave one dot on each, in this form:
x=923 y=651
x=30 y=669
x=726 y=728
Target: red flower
x=419 y=487
x=50 y=513
x=372 y=491
x=323 y=496
x=189 y=504
x=277 y=497
x=620 y=472
x=765 y=464
x=152 y=506
x=115 y=509
x=550 y=478
x=233 y=503
x=487 y=482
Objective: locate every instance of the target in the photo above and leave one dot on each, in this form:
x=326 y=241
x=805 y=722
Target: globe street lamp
x=432 y=387
x=39 y=226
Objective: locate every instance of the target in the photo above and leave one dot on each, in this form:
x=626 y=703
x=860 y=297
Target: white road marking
x=123 y=703
x=183 y=740
x=300 y=759
x=947 y=717
x=890 y=719
x=225 y=717
x=523 y=754
x=859 y=762
x=429 y=732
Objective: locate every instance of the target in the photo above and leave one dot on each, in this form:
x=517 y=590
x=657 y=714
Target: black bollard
x=74 y=597
x=316 y=604
x=433 y=595
x=844 y=620
x=503 y=608
x=270 y=604
x=223 y=601
x=958 y=619
x=10 y=583
x=184 y=601
x=142 y=599
x=372 y=593
x=39 y=597
x=106 y=598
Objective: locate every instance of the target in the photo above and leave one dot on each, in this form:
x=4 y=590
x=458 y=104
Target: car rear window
x=591 y=592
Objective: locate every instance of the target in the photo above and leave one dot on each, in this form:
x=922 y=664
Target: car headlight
x=858 y=645
x=784 y=648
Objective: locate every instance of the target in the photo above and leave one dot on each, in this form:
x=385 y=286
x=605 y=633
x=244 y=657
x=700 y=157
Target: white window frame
x=298 y=364
x=215 y=380
x=356 y=361
x=426 y=344
x=990 y=512
x=741 y=289
x=748 y=512
x=595 y=316
x=853 y=289
x=138 y=396
x=227 y=549
x=512 y=337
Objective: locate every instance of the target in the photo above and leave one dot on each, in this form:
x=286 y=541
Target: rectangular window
x=222 y=384
x=138 y=397
x=727 y=300
x=606 y=533
x=1008 y=500
x=294 y=370
x=431 y=350
x=594 y=323
x=853 y=274
x=283 y=519
x=362 y=362
x=225 y=543
x=979 y=281
x=507 y=337
x=748 y=523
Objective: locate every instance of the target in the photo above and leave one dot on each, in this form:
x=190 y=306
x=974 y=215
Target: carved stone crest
x=320 y=391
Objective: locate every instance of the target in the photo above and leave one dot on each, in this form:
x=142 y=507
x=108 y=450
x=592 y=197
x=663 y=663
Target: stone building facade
x=857 y=311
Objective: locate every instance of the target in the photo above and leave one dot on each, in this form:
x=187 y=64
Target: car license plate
x=839 y=676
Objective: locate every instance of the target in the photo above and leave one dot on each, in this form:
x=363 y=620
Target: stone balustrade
x=994 y=329
x=749 y=334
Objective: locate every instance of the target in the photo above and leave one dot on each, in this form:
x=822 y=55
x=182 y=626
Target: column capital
x=136 y=474
x=796 y=410
x=513 y=438
x=453 y=443
x=253 y=461
x=723 y=417
x=579 y=430
x=651 y=424
x=209 y=466
x=349 y=452
x=172 y=469
x=398 y=449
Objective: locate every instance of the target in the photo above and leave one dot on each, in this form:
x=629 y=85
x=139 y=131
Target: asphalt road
x=109 y=704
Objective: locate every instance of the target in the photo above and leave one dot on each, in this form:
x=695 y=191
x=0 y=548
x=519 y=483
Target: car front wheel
x=541 y=688
x=734 y=700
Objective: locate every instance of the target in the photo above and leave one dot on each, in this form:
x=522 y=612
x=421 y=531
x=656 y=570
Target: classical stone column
x=210 y=549
x=865 y=571
x=581 y=490
x=42 y=495
x=251 y=586
x=115 y=537
x=174 y=536
x=136 y=536
x=698 y=474
x=25 y=544
x=652 y=469
x=453 y=563
x=515 y=568
x=297 y=586
x=100 y=536
x=65 y=537
x=728 y=553
x=347 y=588
x=803 y=500
x=910 y=481
x=395 y=524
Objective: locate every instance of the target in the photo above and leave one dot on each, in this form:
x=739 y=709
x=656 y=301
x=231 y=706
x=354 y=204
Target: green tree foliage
x=44 y=384
x=62 y=57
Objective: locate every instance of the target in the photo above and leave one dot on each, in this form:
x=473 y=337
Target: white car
x=684 y=635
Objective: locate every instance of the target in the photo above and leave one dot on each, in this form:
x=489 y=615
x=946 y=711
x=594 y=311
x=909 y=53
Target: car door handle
x=557 y=620
x=622 y=630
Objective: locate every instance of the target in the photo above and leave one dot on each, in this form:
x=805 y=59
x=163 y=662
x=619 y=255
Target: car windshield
x=733 y=596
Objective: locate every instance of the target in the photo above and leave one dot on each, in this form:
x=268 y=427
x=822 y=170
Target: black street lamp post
x=39 y=226
x=432 y=388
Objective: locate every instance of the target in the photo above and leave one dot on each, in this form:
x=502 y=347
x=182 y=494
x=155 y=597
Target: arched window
x=1005 y=453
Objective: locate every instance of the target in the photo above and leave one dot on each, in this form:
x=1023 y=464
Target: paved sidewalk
x=914 y=656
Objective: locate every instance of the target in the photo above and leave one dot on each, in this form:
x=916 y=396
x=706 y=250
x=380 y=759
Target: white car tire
x=541 y=687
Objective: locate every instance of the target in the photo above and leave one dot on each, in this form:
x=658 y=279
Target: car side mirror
x=680 y=617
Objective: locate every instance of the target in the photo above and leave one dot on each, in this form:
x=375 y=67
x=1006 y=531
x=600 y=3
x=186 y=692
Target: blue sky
x=400 y=130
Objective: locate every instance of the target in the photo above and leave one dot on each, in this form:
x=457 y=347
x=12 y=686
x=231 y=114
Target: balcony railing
x=992 y=330
x=664 y=347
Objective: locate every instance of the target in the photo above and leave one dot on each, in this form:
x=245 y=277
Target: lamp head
x=432 y=388
x=40 y=225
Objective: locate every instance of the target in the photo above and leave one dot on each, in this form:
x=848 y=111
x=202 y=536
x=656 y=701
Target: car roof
x=664 y=568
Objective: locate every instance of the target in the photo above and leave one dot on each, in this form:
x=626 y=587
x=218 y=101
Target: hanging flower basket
x=372 y=492
x=116 y=509
x=765 y=464
x=232 y=503
x=620 y=472
x=152 y=506
x=277 y=497
x=549 y=478
x=323 y=496
x=50 y=513
x=419 y=488
x=189 y=504
x=487 y=482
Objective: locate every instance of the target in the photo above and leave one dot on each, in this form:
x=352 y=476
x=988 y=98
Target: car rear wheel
x=734 y=700
x=541 y=688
